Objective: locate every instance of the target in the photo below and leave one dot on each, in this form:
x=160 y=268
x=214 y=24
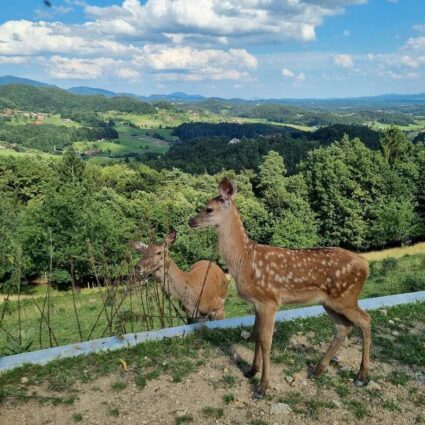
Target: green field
x=164 y=119
x=417 y=126
x=389 y=276
x=28 y=152
x=130 y=140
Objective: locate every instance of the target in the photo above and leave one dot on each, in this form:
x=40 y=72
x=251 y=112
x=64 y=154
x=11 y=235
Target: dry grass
x=418 y=248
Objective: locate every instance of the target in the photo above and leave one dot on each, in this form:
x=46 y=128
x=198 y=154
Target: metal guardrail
x=42 y=357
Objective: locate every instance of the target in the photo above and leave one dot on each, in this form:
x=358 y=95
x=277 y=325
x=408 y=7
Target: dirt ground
x=162 y=401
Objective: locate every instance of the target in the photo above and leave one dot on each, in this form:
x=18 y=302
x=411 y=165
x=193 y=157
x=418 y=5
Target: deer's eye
x=210 y=210
x=158 y=253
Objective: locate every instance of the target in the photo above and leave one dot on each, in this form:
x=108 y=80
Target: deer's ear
x=171 y=237
x=227 y=189
x=140 y=247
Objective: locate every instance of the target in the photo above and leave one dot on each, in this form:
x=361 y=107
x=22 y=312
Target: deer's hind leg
x=343 y=329
x=362 y=319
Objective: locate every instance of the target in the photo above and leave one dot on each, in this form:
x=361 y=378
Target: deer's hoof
x=257 y=395
x=250 y=373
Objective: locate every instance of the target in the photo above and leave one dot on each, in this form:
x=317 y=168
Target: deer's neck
x=233 y=242
x=175 y=284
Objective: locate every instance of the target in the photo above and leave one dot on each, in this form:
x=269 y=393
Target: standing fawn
x=267 y=276
x=202 y=291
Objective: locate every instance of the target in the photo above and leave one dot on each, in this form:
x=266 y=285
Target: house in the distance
x=234 y=141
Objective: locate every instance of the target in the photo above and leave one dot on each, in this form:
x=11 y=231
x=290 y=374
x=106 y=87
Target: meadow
x=123 y=307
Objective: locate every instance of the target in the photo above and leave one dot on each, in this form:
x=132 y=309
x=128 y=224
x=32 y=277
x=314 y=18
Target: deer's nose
x=192 y=222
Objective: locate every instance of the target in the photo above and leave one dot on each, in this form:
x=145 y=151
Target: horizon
x=287 y=49
x=218 y=97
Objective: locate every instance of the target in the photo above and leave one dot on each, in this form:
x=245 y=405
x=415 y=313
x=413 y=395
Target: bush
x=414 y=283
x=388 y=265
x=60 y=279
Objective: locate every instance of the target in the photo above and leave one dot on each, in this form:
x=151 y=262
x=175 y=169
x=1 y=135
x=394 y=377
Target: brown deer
x=202 y=291
x=268 y=276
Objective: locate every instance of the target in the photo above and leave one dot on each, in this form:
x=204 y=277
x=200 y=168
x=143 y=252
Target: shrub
x=414 y=283
x=60 y=279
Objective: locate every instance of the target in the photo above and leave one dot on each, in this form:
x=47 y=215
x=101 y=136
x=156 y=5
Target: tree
x=394 y=145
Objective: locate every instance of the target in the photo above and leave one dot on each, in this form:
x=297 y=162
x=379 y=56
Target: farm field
x=156 y=377
x=26 y=152
x=164 y=118
x=419 y=125
x=131 y=140
x=128 y=310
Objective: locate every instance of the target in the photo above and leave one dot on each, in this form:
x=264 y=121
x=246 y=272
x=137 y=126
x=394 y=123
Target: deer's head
x=217 y=210
x=153 y=256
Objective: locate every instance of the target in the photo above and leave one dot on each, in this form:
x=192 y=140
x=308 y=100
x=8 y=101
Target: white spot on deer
x=257 y=274
x=337 y=273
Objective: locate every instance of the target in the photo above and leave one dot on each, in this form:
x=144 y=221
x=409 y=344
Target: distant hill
x=10 y=79
x=386 y=100
x=83 y=90
x=175 y=97
x=50 y=98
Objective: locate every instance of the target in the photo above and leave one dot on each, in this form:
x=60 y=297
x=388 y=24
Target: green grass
x=228 y=398
x=418 y=125
x=171 y=355
x=164 y=118
x=390 y=276
x=130 y=140
x=26 y=152
x=213 y=412
x=184 y=419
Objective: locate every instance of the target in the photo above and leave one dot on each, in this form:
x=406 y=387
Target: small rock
x=245 y=335
x=395 y=333
x=310 y=334
x=374 y=386
x=24 y=380
x=419 y=376
x=397 y=319
x=279 y=408
x=391 y=322
x=383 y=311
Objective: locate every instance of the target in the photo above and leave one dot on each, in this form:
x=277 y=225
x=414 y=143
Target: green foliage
x=394 y=145
x=60 y=279
x=334 y=133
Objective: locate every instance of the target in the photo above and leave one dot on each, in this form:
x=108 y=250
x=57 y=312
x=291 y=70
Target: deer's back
x=207 y=275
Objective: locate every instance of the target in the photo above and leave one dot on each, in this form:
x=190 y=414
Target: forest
x=54 y=210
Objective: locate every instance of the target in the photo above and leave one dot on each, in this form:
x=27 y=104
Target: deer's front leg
x=266 y=314
x=256 y=363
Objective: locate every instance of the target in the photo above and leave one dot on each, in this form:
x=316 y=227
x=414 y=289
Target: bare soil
x=162 y=401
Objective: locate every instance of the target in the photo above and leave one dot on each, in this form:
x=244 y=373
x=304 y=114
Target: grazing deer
x=267 y=276
x=202 y=291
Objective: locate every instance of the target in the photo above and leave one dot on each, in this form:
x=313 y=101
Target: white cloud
x=187 y=63
x=344 y=61
x=17 y=60
x=346 y=33
x=30 y=38
x=257 y=19
x=288 y=74
x=415 y=43
x=419 y=27
x=89 y=69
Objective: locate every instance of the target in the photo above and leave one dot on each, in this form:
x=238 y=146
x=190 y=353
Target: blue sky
x=227 y=48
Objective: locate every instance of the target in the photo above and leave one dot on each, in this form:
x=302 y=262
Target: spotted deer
x=268 y=276
x=202 y=291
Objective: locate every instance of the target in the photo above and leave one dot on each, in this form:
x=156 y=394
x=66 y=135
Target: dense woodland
x=344 y=194
x=205 y=147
